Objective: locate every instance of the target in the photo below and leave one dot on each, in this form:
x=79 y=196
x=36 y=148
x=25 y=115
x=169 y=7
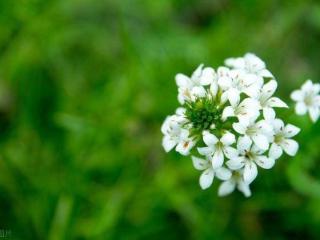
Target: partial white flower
x=191 y=87
x=245 y=111
x=208 y=174
x=249 y=157
x=282 y=139
x=252 y=65
x=176 y=136
x=234 y=82
x=218 y=148
x=260 y=132
x=267 y=102
x=308 y=100
x=236 y=181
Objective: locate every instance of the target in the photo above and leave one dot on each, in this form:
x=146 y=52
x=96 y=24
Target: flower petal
x=307 y=86
x=250 y=172
x=223 y=71
x=168 y=144
x=227 y=112
x=233 y=96
x=230 y=152
x=182 y=80
x=269 y=114
x=314 y=113
x=291 y=130
x=269 y=88
x=197 y=73
x=199 y=163
x=240 y=127
x=276 y=102
x=290 y=146
x=266 y=73
x=228 y=139
x=217 y=159
x=244 y=188
x=223 y=173
x=297 y=95
x=244 y=143
x=214 y=88
x=261 y=141
x=224 y=82
x=252 y=91
x=226 y=188
x=264 y=162
x=206 y=151
x=207 y=76
x=301 y=108
x=206 y=178
x=209 y=138
x=198 y=91
x=277 y=125
x=275 y=151
x=185 y=146
x=236 y=163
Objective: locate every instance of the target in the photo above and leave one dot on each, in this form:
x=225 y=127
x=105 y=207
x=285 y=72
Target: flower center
x=249 y=155
x=308 y=100
x=252 y=130
x=278 y=138
x=202 y=113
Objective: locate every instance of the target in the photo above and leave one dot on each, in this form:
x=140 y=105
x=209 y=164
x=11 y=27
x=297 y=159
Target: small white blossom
x=234 y=82
x=267 y=102
x=282 y=139
x=245 y=111
x=252 y=65
x=175 y=135
x=218 y=148
x=308 y=100
x=236 y=181
x=260 y=132
x=191 y=87
x=208 y=174
x=249 y=157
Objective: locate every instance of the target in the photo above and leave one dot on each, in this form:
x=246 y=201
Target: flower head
x=228 y=117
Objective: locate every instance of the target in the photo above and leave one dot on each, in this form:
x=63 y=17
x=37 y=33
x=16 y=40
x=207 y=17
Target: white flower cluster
x=308 y=100
x=227 y=116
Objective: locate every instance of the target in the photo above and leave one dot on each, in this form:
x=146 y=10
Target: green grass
x=84 y=88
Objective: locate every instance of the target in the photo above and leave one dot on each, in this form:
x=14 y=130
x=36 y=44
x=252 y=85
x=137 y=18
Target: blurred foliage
x=84 y=88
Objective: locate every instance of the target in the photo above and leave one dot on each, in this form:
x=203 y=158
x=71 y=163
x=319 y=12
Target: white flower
x=282 y=141
x=191 y=87
x=176 y=135
x=245 y=111
x=218 y=148
x=260 y=132
x=236 y=180
x=208 y=174
x=252 y=65
x=308 y=100
x=267 y=102
x=249 y=157
x=234 y=82
x=233 y=107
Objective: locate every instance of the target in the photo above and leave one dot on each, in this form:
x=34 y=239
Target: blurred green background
x=84 y=88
